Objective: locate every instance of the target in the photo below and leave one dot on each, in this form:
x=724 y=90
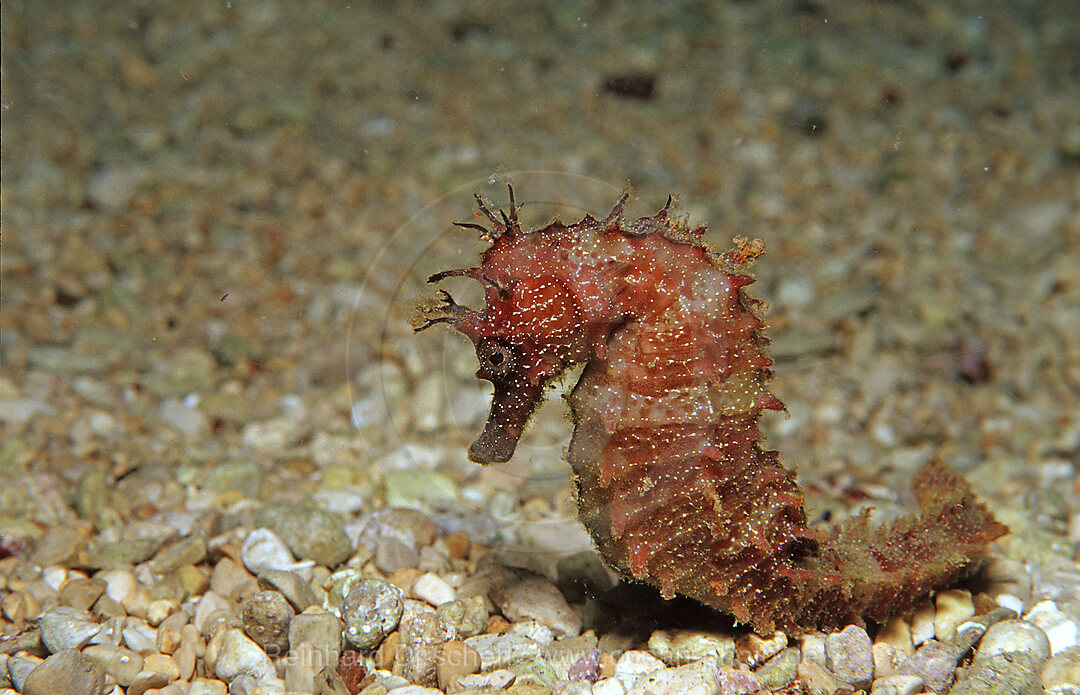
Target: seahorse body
x=669 y=474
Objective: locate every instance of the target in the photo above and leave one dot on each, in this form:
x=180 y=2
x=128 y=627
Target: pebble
x=82 y=593
x=578 y=688
x=146 y=680
x=432 y=588
x=1013 y=603
x=121 y=664
x=1014 y=636
x=779 y=670
x=500 y=651
x=209 y=606
x=537 y=672
x=818 y=679
x=538 y=599
x=1060 y=629
x=635 y=663
x=678 y=647
x=301 y=666
x=206 y=686
x=185 y=657
x=735 y=681
x=922 y=623
x=467 y=616
x=699 y=678
x=934 y=662
x=188 y=421
x=310 y=532
x=19 y=668
x=407 y=525
x=67 y=672
x=456 y=659
x=139 y=637
x=263 y=552
x=753 y=649
x=239 y=655
x=162 y=664
x=318 y=628
x=1012 y=673
x=159 y=610
x=392 y=555
x=812 y=648
x=231 y=580
x=537 y=632
x=291 y=585
x=66 y=628
x=608 y=686
x=897 y=685
x=186 y=551
x=585 y=668
x=953 y=607
x=849 y=655
x=338 y=585
x=897 y=633
x=371 y=611
x=422 y=637
x=1061 y=674
x=18 y=411
x=266 y=617
x=971 y=631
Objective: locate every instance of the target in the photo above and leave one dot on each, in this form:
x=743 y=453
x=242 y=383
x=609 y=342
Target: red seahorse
x=669 y=474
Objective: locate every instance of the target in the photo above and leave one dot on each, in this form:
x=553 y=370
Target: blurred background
x=215 y=217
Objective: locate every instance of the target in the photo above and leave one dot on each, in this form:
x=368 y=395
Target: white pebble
x=209 y=604
x=634 y=664
x=1013 y=603
x=206 y=686
x=119 y=584
x=1061 y=630
x=432 y=588
x=239 y=655
x=608 y=686
x=54 y=577
x=1014 y=636
x=922 y=623
x=160 y=609
x=537 y=632
x=897 y=685
x=263 y=551
x=953 y=607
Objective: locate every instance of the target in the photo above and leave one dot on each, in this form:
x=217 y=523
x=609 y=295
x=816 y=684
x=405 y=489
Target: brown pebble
x=68 y=672
x=497 y=625
x=81 y=593
x=607 y=665
x=457 y=544
x=456 y=659
x=387 y=653
x=404 y=578
x=351 y=668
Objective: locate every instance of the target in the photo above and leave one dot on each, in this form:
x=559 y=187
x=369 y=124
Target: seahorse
x=669 y=473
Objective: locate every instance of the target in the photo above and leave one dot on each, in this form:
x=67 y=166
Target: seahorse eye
x=496 y=357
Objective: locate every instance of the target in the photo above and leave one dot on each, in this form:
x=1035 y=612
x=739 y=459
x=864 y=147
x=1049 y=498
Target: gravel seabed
x=228 y=465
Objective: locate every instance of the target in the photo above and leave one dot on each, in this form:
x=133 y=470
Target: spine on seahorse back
x=669 y=474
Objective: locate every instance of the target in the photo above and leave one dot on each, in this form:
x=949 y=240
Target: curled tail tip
x=945 y=496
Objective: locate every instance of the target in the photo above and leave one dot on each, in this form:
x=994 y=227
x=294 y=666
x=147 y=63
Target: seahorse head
x=529 y=331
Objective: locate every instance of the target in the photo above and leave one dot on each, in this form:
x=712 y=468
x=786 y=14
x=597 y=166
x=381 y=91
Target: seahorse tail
x=889 y=567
